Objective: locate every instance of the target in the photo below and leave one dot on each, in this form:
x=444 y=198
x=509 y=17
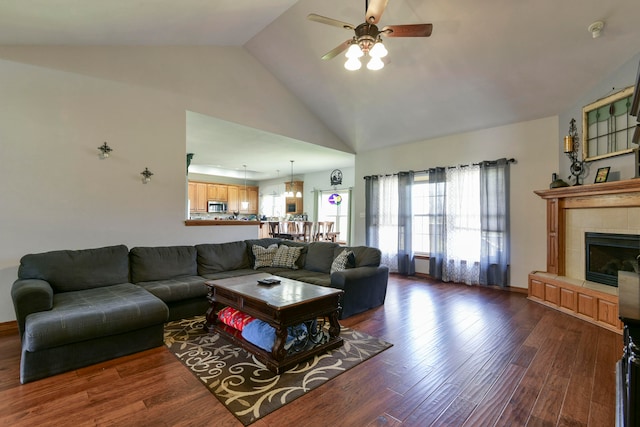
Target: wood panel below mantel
x=577 y=298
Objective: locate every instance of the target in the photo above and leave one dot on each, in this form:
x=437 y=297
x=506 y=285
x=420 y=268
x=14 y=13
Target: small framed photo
x=602 y=174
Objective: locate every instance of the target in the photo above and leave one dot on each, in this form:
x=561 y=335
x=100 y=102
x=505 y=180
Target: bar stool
x=274 y=228
x=305 y=228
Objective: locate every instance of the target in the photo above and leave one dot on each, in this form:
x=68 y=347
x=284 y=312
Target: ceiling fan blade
x=337 y=50
x=374 y=11
x=330 y=21
x=411 y=30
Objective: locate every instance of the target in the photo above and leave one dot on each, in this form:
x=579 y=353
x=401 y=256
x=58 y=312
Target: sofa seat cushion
x=317 y=279
x=176 y=289
x=93 y=313
x=313 y=277
x=231 y=273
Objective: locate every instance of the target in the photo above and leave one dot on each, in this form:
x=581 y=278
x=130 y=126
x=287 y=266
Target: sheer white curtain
x=382 y=217
x=461 y=262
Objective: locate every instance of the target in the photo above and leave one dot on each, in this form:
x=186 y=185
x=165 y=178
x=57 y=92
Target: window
x=271 y=205
x=607 y=127
x=421 y=218
x=334 y=206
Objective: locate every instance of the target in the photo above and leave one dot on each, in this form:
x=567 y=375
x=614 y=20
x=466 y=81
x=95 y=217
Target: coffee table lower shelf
x=274 y=365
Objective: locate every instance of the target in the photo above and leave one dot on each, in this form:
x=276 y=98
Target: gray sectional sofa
x=79 y=307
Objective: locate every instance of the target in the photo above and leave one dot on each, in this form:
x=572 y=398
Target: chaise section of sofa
x=76 y=308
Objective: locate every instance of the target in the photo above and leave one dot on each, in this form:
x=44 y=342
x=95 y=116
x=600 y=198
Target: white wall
x=533 y=144
x=59 y=104
x=622 y=167
x=312 y=181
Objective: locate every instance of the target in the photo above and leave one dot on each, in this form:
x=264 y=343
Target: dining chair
x=320 y=231
x=305 y=228
x=274 y=228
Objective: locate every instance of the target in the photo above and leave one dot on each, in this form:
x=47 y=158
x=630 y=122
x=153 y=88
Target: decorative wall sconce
x=104 y=151
x=146 y=175
x=571 y=145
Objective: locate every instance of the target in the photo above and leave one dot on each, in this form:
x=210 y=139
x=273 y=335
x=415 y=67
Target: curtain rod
x=490 y=162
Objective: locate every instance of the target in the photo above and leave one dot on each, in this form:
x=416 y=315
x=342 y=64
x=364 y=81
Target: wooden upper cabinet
x=294 y=205
x=217 y=192
x=197 y=197
x=201 y=192
x=233 y=203
x=251 y=196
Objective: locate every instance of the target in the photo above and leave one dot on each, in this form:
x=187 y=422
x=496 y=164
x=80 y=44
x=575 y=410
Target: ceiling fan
x=368 y=38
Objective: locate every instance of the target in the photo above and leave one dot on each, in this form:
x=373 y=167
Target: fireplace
x=607 y=253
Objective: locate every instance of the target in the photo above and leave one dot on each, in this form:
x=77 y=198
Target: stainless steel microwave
x=216 y=207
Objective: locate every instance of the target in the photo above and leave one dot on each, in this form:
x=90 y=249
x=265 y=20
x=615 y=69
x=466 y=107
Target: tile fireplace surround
x=610 y=207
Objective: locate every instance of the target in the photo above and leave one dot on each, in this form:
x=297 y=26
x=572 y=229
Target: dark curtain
x=372 y=201
x=437 y=224
x=406 y=262
x=495 y=222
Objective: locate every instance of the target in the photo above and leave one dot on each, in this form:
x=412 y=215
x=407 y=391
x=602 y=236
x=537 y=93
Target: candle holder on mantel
x=571 y=145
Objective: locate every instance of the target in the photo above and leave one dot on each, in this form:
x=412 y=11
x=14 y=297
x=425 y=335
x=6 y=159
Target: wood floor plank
x=461 y=356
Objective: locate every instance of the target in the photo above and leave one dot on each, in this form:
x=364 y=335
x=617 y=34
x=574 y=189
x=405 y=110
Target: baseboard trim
x=497 y=288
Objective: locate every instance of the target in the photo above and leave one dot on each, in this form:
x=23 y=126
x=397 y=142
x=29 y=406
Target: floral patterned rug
x=242 y=384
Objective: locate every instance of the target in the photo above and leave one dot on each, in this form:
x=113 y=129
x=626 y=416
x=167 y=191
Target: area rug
x=243 y=384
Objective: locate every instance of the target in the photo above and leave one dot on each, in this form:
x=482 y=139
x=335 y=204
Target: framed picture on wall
x=602 y=174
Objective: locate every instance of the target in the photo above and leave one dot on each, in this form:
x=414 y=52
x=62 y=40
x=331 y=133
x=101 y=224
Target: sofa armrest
x=30 y=296
x=351 y=276
x=364 y=288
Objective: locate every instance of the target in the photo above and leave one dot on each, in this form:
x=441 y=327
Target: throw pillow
x=264 y=256
x=286 y=256
x=345 y=259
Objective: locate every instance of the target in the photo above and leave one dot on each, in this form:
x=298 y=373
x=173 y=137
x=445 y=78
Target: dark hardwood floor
x=462 y=356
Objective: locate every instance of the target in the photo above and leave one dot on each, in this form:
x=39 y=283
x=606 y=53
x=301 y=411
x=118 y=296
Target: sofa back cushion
x=265 y=243
x=75 y=270
x=160 y=263
x=366 y=256
x=302 y=258
x=218 y=257
x=320 y=255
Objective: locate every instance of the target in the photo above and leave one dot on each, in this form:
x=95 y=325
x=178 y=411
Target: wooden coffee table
x=286 y=304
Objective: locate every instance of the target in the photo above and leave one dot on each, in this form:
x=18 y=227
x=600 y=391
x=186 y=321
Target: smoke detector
x=596 y=29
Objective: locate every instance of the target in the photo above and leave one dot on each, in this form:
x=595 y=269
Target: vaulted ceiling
x=487 y=63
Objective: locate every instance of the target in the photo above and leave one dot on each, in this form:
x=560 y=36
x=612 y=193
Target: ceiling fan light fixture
x=353 y=64
x=354 y=51
x=375 y=64
x=378 y=50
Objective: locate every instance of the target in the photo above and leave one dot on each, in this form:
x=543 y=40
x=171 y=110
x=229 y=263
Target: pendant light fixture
x=245 y=204
x=290 y=192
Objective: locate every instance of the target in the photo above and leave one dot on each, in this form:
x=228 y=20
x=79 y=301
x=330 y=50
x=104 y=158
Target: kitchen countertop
x=191 y=222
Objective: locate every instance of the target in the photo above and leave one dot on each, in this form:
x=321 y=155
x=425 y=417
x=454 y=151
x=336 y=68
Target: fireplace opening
x=606 y=254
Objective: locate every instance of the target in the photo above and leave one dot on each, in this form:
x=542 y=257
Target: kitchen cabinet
x=217 y=192
x=202 y=192
x=294 y=205
x=251 y=196
x=197 y=197
x=233 y=199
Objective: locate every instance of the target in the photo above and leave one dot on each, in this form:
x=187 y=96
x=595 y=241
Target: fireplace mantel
x=552 y=288
x=604 y=195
